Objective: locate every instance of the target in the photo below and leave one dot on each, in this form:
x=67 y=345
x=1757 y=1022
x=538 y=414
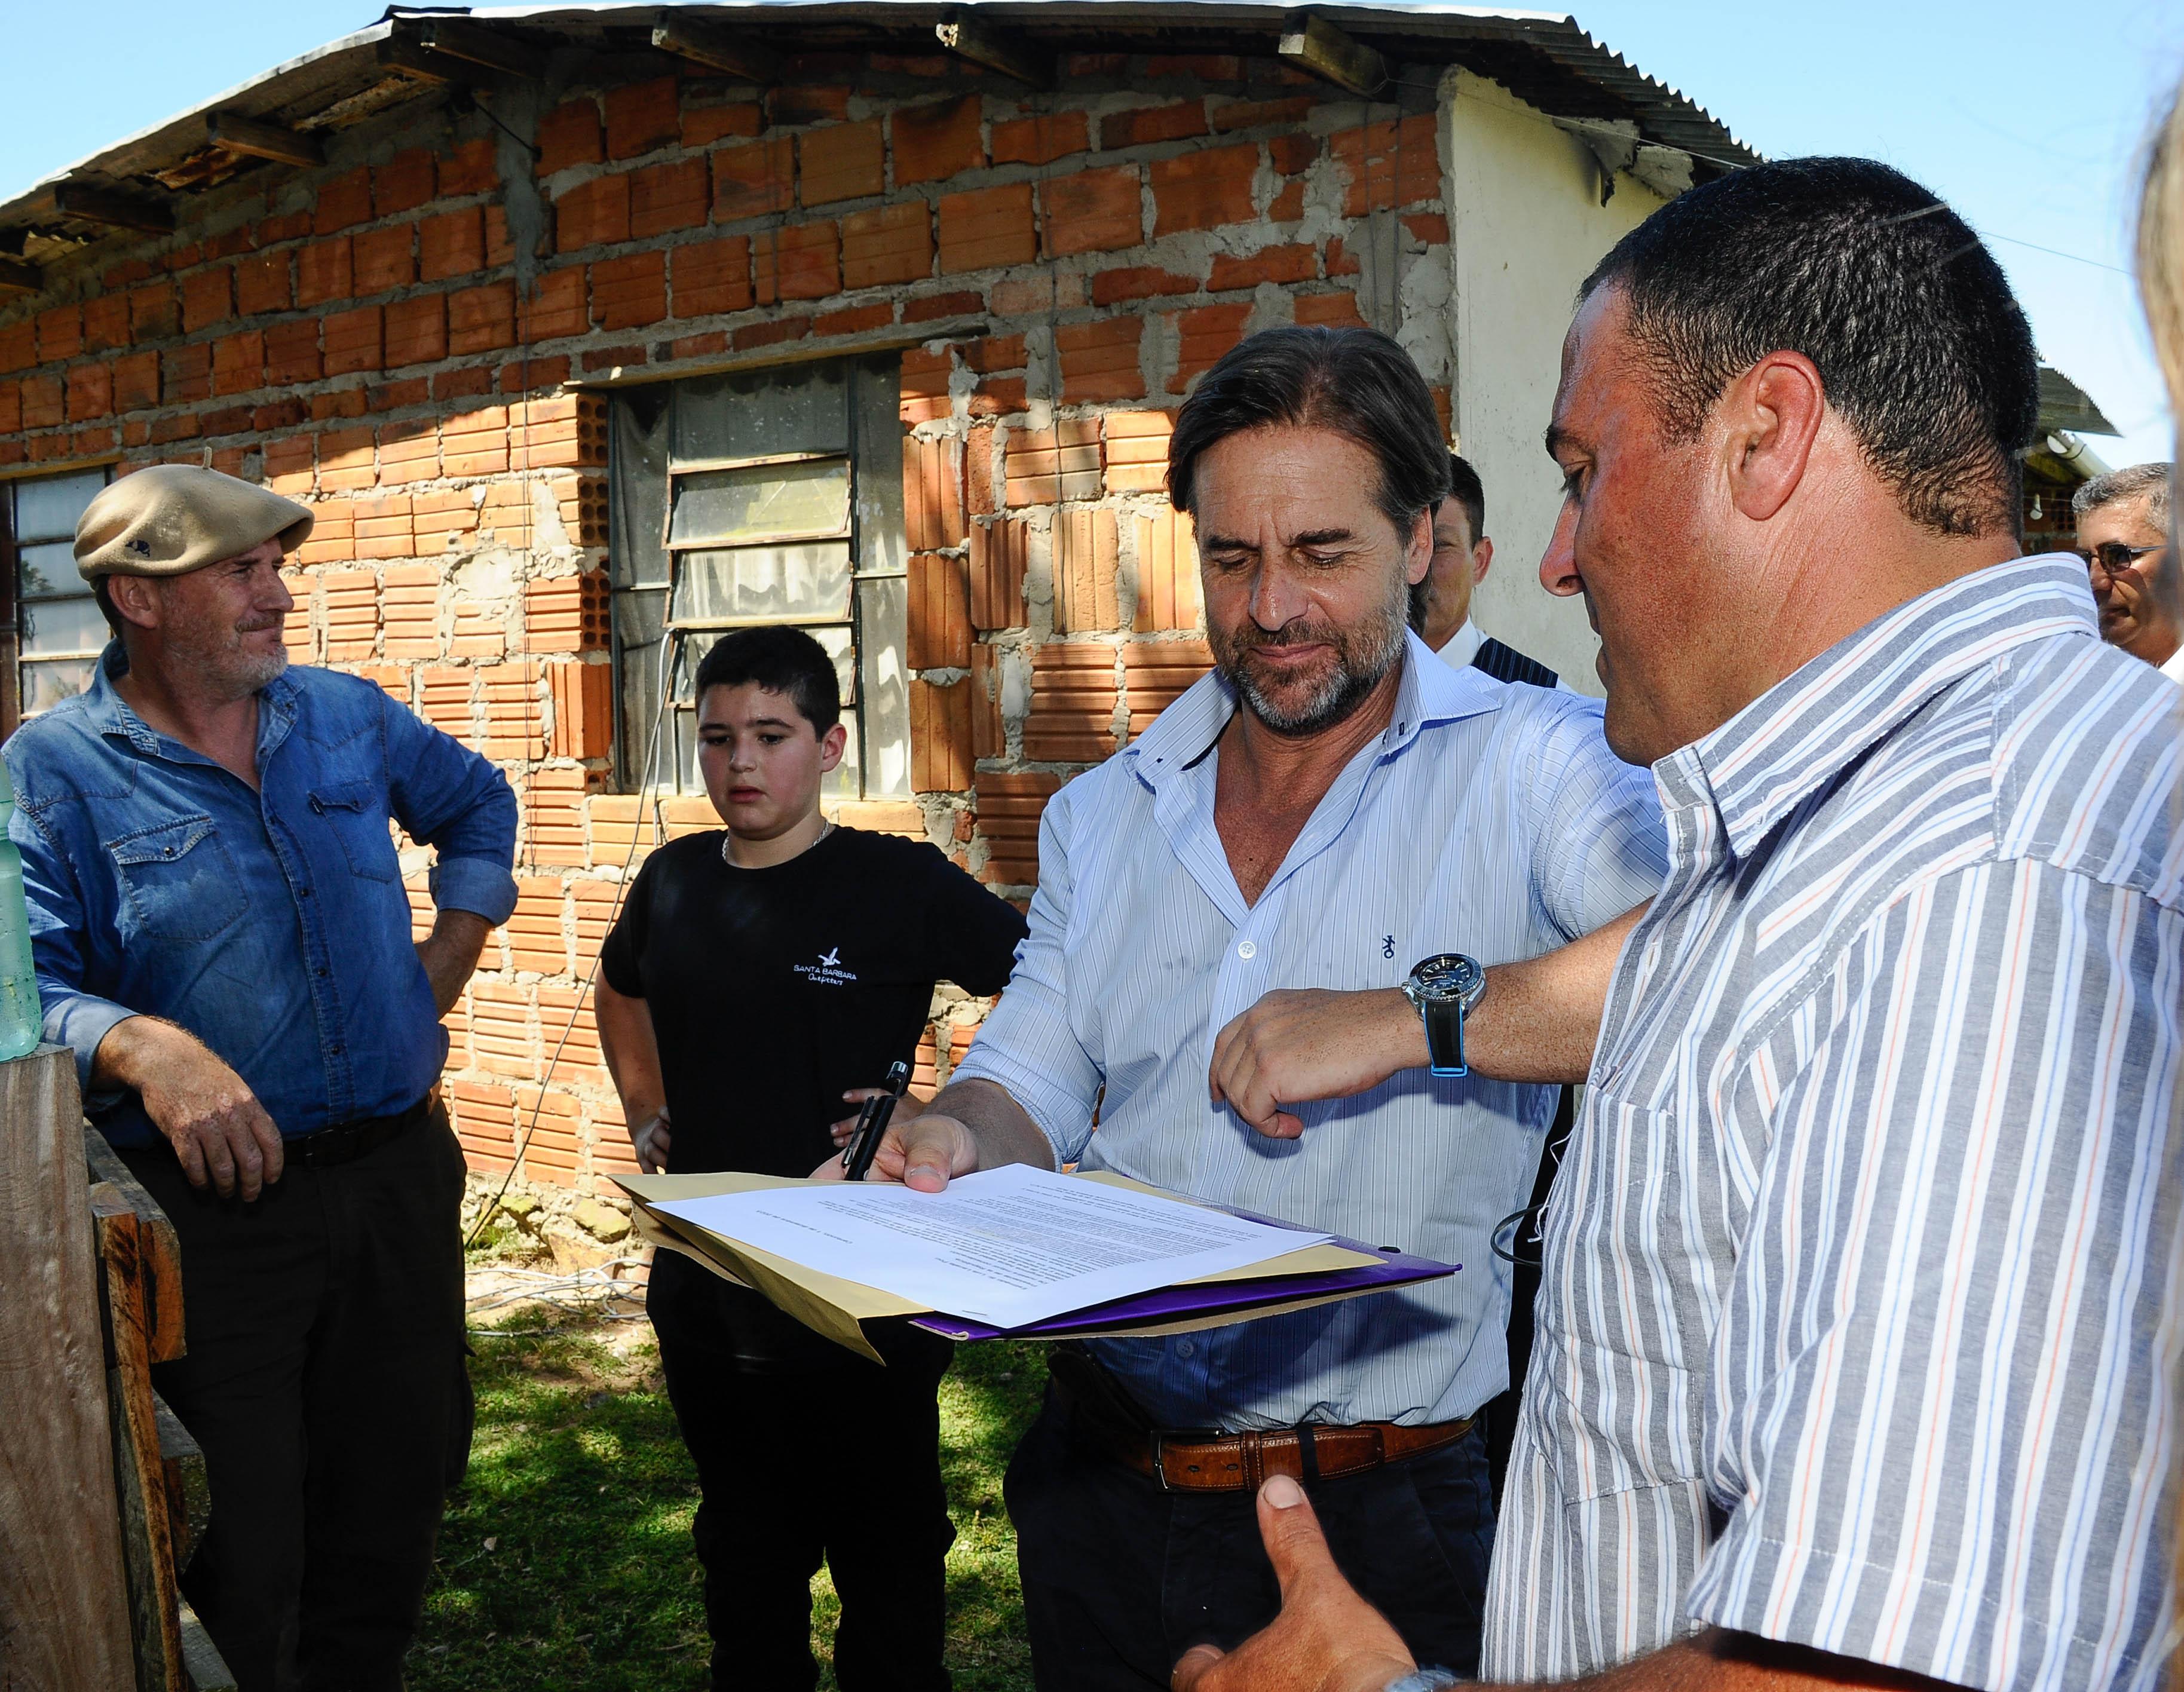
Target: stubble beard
x=215 y=655
x=1364 y=654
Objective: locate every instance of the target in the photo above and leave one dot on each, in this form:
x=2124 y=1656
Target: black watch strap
x=1444 y=1019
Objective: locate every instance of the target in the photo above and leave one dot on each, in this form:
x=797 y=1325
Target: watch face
x=1449 y=975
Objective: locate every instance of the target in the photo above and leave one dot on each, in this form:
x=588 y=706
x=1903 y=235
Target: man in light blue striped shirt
x=1858 y=1329
x=1331 y=806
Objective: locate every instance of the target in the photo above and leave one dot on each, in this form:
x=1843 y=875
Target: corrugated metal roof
x=1543 y=57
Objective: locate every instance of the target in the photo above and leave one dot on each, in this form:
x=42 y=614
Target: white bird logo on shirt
x=833 y=959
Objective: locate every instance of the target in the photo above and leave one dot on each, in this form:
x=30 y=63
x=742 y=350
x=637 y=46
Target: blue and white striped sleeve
x=1027 y=1044
x=1598 y=844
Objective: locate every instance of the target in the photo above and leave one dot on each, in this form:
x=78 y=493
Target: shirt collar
x=110 y=713
x=1799 y=735
x=1429 y=692
x=1462 y=646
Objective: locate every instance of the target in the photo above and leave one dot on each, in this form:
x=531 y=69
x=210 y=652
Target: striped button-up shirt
x=1852 y=1330
x=1486 y=818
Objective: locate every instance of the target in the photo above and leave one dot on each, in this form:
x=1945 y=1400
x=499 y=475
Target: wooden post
x=64 y=1594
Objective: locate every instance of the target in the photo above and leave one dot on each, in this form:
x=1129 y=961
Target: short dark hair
x=104 y=597
x=1465 y=488
x=1357 y=382
x=1921 y=346
x=782 y=660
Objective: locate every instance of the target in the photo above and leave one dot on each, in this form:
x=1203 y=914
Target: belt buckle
x=1160 y=1460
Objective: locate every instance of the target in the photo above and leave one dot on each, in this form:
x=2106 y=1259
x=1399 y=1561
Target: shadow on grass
x=565 y=1561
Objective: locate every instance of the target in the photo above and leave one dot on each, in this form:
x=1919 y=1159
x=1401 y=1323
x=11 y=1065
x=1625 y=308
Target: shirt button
x=1186 y=1348
x=337 y=1051
x=1250 y=949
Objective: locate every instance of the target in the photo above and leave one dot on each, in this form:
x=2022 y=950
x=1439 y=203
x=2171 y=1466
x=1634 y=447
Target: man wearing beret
x=221 y=933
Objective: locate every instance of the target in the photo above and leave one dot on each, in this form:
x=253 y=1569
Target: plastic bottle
x=20 y=1018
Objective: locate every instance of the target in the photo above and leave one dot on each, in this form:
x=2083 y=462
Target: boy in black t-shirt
x=755 y=980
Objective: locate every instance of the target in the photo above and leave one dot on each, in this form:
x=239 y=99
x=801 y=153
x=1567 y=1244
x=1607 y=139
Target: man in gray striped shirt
x=1853 y=1360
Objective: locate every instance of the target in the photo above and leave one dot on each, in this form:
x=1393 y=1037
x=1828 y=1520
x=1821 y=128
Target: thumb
x=928 y=1154
x=1192 y=1666
x=1291 y=1532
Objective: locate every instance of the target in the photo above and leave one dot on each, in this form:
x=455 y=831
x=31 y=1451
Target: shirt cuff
x=80 y=1021
x=478 y=885
x=1029 y=1098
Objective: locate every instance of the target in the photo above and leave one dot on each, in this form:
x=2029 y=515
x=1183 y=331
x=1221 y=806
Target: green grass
x=565 y=1561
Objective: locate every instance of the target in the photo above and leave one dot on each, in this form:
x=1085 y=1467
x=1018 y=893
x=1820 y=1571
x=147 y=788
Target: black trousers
x=324 y=1379
x=838 y=1463
x=1121 y=1578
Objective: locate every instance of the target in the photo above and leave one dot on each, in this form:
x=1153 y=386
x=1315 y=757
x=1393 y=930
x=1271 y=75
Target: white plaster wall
x=1525 y=228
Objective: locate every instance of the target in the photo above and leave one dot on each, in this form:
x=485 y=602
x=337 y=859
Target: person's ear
x=832 y=745
x=1418 y=551
x=136 y=597
x=1482 y=555
x=1773 y=414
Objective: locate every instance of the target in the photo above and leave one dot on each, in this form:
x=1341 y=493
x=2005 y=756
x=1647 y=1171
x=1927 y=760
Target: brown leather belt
x=1202 y=1459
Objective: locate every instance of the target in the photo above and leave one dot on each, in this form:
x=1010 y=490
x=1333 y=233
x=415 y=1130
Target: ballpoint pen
x=871 y=1125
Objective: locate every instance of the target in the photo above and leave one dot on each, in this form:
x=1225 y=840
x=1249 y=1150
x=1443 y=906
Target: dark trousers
x=324 y=1380
x=1121 y=1578
x=796 y=1466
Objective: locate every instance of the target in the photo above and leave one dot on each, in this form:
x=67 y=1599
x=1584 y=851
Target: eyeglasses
x=2113 y=556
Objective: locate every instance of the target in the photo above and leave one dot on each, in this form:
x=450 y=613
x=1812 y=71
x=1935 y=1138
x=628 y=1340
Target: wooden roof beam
x=94 y=204
x=1311 y=43
x=18 y=277
x=965 y=36
x=460 y=39
x=233 y=132
x=718 y=49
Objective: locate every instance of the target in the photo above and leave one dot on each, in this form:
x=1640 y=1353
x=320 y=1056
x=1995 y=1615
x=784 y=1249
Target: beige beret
x=172 y=519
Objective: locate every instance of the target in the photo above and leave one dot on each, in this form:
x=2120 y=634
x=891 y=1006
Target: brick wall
x=403 y=342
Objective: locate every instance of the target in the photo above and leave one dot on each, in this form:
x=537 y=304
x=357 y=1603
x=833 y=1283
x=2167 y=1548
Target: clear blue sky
x=2026 y=116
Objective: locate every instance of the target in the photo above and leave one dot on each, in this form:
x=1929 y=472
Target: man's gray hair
x=2151 y=481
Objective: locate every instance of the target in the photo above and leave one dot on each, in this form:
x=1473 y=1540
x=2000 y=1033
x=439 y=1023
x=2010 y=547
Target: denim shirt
x=272 y=924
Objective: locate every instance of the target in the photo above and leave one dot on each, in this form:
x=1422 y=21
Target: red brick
x=1099 y=359
x=749 y=181
x=1139 y=282
x=642 y=116
x=382 y=259
x=60 y=333
x=261 y=284
x=1094 y=211
x=933 y=144
x=931 y=306
x=570 y=135
x=238 y=362
x=630 y=291
x=1333 y=311
x=229 y=419
x=940 y=737
x=325 y=271
x=712 y=277
x=399 y=396
x=802 y=261
x=154 y=313
x=44 y=401
x=854 y=319
x=594 y=214
x=668 y=196
x=987 y=228
x=583 y=710
x=1388 y=164
x=1339 y=260
x=939 y=613
x=559 y=308
x=1149 y=124
x=480 y=320
x=500 y=249
x=18 y=346
x=1072 y=705
x=933 y=495
x=703 y=125
x=188 y=373
x=993 y=352
x=1429 y=227
x=1292 y=264
x=353 y=340
x=1293 y=153
x=998 y=397
x=11 y=408
x=90 y=391
x=402 y=184
x=1039 y=140
x=1045 y=466
x=840 y=162
x=475 y=443
x=1157 y=673
x=804 y=103
x=771 y=334
x=342 y=203
x=272 y=231
x=887 y=244
x=208 y=298
x=471 y=168
x=1235 y=114
x=1000 y=552
x=1204 y=189
x=291 y=351
x=451 y=244
x=416 y=330
x=1009 y=806
x=104 y=326
x=1136 y=450
x=925 y=385
x=1086 y=592
x=1204 y=336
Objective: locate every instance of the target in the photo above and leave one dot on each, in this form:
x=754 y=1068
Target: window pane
x=46 y=509
x=804 y=408
x=46 y=685
x=63 y=626
x=792 y=583
x=49 y=571
x=724 y=506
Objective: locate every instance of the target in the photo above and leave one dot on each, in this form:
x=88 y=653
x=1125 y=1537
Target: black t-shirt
x=774 y=990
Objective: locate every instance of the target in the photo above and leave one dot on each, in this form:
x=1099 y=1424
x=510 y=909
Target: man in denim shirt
x=221 y=933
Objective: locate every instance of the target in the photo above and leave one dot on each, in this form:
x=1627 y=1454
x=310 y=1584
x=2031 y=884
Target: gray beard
x=1365 y=656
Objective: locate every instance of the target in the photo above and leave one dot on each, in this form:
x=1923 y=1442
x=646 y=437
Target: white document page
x=1006 y=1246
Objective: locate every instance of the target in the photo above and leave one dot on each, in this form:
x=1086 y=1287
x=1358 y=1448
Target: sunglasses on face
x=2112 y=558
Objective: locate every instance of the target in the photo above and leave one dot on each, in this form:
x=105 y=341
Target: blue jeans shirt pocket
x=356 y=812
x=179 y=881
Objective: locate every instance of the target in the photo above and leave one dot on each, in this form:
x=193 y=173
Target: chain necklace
x=826 y=828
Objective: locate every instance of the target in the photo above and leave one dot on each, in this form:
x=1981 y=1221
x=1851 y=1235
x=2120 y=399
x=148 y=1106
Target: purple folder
x=1240 y=1298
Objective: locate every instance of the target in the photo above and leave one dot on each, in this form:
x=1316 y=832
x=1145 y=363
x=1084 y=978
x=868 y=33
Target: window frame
x=13 y=605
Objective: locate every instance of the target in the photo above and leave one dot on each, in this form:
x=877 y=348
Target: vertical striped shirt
x=1855 y=1327
x=1486 y=818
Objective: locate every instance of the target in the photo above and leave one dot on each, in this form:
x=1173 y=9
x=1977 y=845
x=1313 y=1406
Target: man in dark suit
x=1440 y=605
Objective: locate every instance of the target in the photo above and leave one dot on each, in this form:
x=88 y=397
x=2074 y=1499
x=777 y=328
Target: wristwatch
x=1423 y=1680
x=1446 y=988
